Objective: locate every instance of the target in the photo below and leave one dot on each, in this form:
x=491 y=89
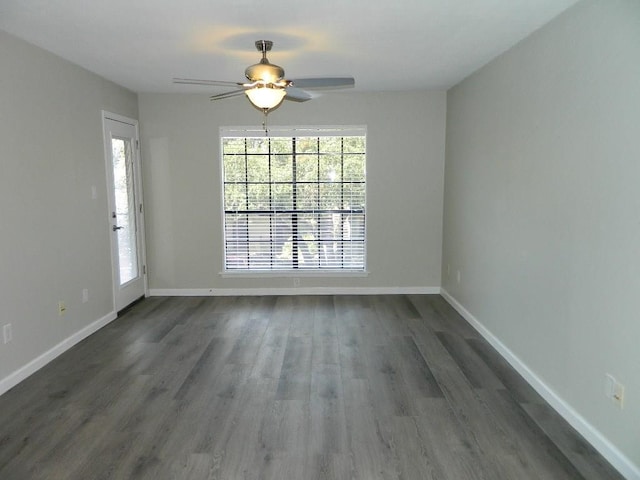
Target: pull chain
x=264 y=123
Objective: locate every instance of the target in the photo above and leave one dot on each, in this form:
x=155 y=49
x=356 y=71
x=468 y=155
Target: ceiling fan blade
x=297 y=95
x=214 y=83
x=324 y=82
x=222 y=96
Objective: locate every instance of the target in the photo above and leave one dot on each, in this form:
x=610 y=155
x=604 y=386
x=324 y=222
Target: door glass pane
x=125 y=219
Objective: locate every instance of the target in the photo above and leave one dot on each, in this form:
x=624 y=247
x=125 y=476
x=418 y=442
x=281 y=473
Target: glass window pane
x=331 y=168
x=307 y=196
x=306 y=145
x=125 y=209
x=281 y=145
x=328 y=226
x=234 y=168
x=259 y=197
x=282 y=197
x=233 y=145
x=354 y=144
x=357 y=226
x=281 y=168
x=259 y=255
x=331 y=144
x=307 y=168
x=257 y=145
x=235 y=197
x=258 y=168
x=330 y=196
x=354 y=168
x=236 y=228
x=259 y=228
x=353 y=196
x=308 y=254
x=282 y=237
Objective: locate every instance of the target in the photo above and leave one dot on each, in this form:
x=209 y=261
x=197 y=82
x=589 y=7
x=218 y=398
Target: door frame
x=137 y=179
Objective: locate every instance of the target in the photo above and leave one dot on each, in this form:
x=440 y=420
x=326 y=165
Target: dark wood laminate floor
x=305 y=387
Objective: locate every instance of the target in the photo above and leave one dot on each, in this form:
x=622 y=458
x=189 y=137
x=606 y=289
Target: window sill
x=294 y=274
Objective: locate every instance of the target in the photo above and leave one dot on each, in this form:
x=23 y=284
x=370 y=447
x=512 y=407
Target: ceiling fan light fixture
x=266 y=96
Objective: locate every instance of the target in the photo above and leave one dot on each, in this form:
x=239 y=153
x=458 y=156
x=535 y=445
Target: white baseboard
x=608 y=450
x=222 y=292
x=36 y=364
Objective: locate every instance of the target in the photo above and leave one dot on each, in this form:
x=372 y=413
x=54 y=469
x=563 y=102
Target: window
x=294 y=200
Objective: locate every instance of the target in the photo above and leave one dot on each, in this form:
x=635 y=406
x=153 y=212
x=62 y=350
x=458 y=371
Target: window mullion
x=294 y=215
x=317 y=215
x=246 y=203
x=272 y=216
x=341 y=206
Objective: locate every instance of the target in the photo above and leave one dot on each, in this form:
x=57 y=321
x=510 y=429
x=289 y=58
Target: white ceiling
x=385 y=45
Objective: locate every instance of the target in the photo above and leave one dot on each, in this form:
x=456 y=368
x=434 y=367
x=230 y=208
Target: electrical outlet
x=7 y=333
x=618 y=395
x=61 y=308
x=614 y=390
x=296 y=282
x=458 y=276
x=85 y=295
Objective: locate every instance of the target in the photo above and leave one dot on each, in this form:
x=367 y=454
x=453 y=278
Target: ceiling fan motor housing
x=264 y=72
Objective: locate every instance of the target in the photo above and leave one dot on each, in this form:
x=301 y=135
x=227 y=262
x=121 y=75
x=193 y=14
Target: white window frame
x=287 y=131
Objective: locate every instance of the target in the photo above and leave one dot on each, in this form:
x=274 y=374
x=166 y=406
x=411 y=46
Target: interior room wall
x=542 y=214
x=54 y=238
x=405 y=168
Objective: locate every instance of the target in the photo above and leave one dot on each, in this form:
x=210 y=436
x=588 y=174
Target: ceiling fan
x=266 y=86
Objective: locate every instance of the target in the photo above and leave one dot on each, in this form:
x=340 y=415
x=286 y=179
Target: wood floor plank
x=295 y=375
x=441 y=316
x=286 y=387
x=519 y=389
x=388 y=316
x=270 y=355
x=538 y=454
x=448 y=443
x=327 y=432
x=207 y=366
x=583 y=456
x=389 y=390
x=477 y=373
x=198 y=466
x=414 y=457
x=240 y=447
x=499 y=456
x=372 y=458
x=327 y=467
x=226 y=397
x=416 y=373
x=285 y=427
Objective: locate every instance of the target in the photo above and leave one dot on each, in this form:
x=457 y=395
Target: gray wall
x=405 y=168
x=542 y=209
x=54 y=238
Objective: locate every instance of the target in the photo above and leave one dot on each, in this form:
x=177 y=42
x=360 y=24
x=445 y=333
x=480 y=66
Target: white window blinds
x=294 y=200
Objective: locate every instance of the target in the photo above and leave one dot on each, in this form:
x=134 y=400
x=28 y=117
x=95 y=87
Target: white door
x=125 y=208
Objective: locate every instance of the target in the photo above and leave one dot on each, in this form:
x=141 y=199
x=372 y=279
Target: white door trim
x=109 y=116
